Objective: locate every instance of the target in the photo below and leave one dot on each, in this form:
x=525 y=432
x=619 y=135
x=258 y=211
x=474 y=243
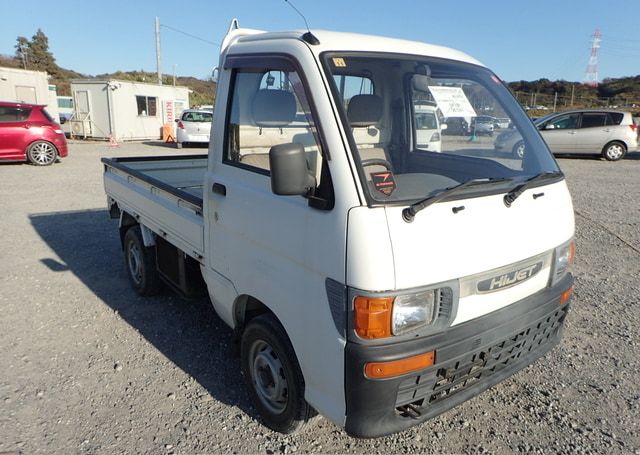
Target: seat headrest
x=364 y=110
x=273 y=108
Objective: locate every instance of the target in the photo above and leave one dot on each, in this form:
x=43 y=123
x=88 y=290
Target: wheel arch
x=245 y=308
x=126 y=221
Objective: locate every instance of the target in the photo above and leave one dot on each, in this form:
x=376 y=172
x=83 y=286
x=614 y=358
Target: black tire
x=614 y=151
x=265 y=349
x=42 y=153
x=518 y=150
x=141 y=263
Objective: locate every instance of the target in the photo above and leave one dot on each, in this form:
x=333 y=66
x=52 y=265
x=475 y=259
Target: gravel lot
x=87 y=366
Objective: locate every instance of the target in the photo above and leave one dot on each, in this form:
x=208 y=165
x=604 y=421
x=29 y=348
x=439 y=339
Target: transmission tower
x=591 y=75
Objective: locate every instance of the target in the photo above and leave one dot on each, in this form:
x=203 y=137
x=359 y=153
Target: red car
x=28 y=133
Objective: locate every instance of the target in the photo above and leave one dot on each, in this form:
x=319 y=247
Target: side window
x=616 y=118
x=563 y=122
x=269 y=107
x=592 y=120
x=14 y=114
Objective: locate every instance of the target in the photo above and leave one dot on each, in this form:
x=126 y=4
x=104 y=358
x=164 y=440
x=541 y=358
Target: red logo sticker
x=384 y=182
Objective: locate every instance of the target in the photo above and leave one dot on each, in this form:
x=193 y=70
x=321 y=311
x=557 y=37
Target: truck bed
x=164 y=194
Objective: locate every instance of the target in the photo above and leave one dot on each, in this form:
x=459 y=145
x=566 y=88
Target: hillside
x=203 y=92
x=619 y=92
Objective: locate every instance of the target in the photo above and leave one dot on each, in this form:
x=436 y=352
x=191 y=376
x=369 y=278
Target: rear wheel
x=141 y=263
x=614 y=151
x=42 y=153
x=272 y=374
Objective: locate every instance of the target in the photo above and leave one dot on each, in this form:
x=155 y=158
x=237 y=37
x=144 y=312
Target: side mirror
x=550 y=126
x=177 y=120
x=290 y=174
x=443 y=126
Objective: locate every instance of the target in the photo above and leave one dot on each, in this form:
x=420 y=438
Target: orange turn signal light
x=566 y=295
x=382 y=370
x=373 y=317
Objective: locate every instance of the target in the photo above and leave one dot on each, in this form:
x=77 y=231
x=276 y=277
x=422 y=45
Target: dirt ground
x=89 y=367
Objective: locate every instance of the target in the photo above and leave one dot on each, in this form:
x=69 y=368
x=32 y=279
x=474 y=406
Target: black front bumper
x=470 y=358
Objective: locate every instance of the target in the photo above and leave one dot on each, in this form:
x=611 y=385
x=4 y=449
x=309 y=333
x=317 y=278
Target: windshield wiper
x=518 y=190
x=410 y=212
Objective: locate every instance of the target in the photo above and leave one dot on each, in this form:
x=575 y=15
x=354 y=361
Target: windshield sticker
x=384 y=182
x=339 y=62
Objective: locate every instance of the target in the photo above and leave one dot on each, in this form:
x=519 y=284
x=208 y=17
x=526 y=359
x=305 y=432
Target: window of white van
x=436 y=124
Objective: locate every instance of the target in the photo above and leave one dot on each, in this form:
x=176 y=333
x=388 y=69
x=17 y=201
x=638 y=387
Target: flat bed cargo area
x=162 y=193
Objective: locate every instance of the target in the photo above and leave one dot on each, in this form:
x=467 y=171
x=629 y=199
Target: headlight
x=435 y=137
x=563 y=258
x=425 y=311
x=411 y=311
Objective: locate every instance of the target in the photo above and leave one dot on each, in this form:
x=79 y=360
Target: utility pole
x=573 y=88
x=158 y=50
x=555 y=100
x=174 y=74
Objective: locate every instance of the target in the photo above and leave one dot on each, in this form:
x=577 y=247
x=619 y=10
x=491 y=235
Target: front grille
x=416 y=394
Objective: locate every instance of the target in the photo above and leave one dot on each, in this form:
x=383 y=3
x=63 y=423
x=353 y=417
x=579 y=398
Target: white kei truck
x=376 y=282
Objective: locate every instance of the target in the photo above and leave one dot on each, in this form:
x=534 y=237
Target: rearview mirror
x=443 y=126
x=290 y=173
x=421 y=83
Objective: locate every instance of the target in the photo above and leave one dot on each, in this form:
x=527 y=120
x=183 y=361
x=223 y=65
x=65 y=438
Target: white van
x=428 y=128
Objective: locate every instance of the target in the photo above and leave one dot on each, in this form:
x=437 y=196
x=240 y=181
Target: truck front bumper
x=470 y=358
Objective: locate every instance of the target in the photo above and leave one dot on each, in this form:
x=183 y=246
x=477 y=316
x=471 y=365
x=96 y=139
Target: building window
x=147 y=105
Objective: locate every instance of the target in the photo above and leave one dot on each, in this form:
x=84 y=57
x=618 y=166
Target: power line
x=189 y=35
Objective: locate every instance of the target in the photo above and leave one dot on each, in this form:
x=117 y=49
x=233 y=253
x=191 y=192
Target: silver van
x=611 y=133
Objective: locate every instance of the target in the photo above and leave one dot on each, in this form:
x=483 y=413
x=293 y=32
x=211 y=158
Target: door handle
x=219 y=188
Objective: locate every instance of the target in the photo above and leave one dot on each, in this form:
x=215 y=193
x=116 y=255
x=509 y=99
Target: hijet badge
x=384 y=182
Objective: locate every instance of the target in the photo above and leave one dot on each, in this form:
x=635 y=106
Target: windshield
x=421 y=125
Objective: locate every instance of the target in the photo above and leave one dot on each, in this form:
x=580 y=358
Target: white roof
x=354 y=42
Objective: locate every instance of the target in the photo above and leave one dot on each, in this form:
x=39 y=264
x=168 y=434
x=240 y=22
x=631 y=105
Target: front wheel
x=42 y=153
x=273 y=376
x=614 y=151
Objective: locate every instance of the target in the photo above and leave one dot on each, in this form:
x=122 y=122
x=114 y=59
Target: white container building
x=124 y=110
x=26 y=86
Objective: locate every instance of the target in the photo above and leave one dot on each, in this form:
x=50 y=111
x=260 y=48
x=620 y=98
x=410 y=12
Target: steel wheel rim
x=267 y=375
x=615 y=151
x=42 y=153
x=134 y=257
x=520 y=151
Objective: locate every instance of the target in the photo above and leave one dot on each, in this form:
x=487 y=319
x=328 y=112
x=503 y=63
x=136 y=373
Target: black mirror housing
x=290 y=173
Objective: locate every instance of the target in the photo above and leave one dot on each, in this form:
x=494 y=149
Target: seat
x=271 y=111
x=364 y=113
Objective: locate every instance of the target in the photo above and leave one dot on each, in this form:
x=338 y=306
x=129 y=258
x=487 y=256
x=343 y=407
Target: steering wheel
x=376 y=162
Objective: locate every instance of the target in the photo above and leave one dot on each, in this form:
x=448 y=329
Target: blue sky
x=518 y=40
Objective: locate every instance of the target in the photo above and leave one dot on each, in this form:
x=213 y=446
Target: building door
x=25 y=94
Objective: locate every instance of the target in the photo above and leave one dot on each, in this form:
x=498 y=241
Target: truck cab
x=366 y=276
